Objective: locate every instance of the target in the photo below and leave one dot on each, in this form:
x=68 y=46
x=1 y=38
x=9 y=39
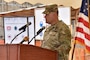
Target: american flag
x=82 y=35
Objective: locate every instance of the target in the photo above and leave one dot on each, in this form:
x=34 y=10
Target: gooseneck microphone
x=38 y=32
x=24 y=27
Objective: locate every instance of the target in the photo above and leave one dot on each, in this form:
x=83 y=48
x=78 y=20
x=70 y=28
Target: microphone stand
x=17 y=35
x=37 y=33
x=32 y=39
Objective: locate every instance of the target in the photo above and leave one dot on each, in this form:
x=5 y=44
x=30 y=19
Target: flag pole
x=72 y=49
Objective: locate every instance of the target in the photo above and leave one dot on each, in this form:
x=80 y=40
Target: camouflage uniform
x=58 y=37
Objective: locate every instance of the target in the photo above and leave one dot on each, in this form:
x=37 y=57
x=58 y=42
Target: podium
x=26 y=52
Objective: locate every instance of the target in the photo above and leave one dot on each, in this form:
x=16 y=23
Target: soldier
x=57 y=36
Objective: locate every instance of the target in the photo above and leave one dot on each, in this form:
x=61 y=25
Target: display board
x=11 y=28
x=64 y=15
x=39 y=22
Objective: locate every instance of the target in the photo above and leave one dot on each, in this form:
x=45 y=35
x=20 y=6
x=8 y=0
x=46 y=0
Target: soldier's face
x=49 y=18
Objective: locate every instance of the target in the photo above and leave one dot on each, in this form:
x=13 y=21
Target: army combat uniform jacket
x=58 y=37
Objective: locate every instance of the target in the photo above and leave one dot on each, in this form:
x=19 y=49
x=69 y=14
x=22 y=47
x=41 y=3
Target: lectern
x=26 y=52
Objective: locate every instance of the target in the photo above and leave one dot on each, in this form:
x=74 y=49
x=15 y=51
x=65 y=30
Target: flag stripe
x=83 y=21
x=88 y=48
x=84 y=16
x=82 y=26
x=78 y=29
x=87 y=36
x=80 y=40
x=87 y=42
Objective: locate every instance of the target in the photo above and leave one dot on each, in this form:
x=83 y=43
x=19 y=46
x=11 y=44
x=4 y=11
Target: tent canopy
x=18 y=13
x=25 y=12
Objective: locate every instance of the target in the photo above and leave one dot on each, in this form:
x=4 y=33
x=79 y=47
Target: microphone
x=25 y=39
x=24 y=27
x=40 y=30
